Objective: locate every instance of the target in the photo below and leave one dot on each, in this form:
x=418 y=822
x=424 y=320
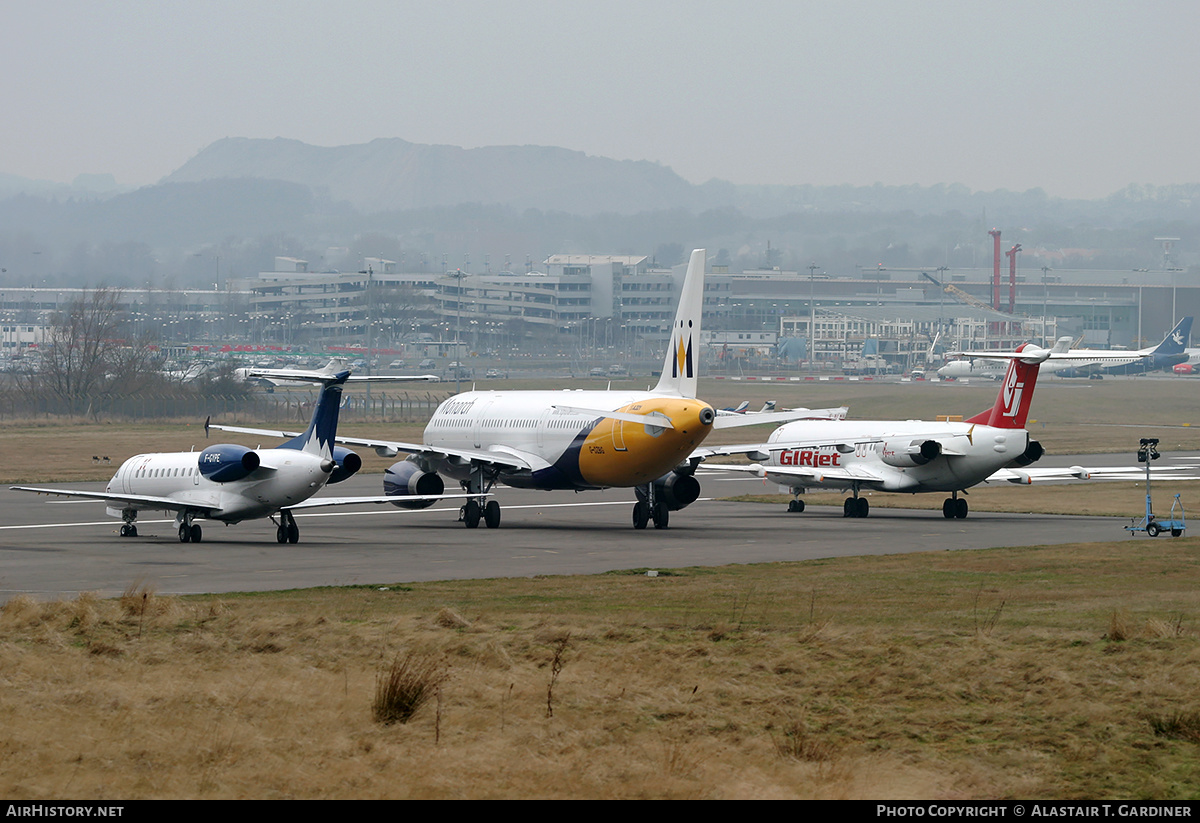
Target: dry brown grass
x=407 y=685
x=857 y=677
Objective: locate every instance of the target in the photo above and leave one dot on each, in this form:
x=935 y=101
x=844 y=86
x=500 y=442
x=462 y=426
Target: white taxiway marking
x=338 y=514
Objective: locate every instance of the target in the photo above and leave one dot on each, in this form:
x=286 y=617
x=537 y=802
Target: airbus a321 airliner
x=571 y=440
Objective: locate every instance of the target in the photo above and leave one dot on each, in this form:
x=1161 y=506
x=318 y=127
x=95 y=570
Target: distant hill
x=393 y=174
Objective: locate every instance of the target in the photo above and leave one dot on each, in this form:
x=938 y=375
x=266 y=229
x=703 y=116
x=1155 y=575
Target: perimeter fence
x=280 y=407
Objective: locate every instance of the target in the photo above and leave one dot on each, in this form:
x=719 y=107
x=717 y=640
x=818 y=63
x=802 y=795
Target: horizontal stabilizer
x=734 y=421
x=656 y=419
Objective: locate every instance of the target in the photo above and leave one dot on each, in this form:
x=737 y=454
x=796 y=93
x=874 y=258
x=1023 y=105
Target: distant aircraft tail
x=681 y=366
x=1016 y=393
x=1177 y=339
x=1062 y=345
x=318 y=438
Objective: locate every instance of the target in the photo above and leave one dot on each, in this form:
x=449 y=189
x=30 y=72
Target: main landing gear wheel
x=954 y=508
x=471 y=513
x=128 y=530
x=661 y=515
x=855 y=507
x=491 y=514
x=796 y=506
x=641 y=514
x=185 y=533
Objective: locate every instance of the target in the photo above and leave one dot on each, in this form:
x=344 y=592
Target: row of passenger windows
x=498 y=423
x=170 y=472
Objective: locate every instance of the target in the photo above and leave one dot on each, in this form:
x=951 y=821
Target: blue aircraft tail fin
x=1177 y=339
x=319 y=437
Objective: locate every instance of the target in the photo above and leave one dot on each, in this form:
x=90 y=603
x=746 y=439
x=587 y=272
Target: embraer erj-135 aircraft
x=912 y=455
x=571 y=440
x=231 y=483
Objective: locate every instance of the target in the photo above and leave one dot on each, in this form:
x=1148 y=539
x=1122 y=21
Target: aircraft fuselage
x=870 y=454
x=569 y=448
x=285 y=477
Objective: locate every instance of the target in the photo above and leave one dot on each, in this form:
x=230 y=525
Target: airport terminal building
x=627 y=302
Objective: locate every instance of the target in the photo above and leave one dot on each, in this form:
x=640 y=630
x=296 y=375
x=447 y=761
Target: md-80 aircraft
x=1095 y=363
x=230 y=483
x=571 y=440
x=911 y=455
x=991 y=369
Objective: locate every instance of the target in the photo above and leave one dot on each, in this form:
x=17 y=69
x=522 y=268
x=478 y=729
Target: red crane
x=995 y=233
x=1012 y=275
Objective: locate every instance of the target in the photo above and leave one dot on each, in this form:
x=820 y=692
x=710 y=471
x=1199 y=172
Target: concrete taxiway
x=52 y=547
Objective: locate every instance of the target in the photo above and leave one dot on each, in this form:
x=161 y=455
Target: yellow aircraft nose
x=624 y=453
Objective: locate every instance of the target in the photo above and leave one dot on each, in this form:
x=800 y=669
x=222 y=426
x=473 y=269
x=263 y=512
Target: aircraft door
x=477 y=426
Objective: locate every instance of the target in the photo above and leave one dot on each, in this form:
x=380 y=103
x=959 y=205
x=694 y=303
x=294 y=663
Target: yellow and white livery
x=573 y=440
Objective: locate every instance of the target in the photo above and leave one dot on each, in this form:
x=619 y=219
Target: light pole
x=1046 y=304
x=812 y=313
x=458 y=275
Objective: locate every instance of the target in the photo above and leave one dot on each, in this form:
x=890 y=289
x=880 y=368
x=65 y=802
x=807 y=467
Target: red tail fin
x=1016 y=393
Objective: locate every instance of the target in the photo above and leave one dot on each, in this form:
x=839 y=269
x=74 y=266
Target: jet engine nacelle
x=404 y=479
x=676 y=490
x=348 y=463
x=1183 y=368
x=226 y=462
x=1033 y=453
x=905 y=454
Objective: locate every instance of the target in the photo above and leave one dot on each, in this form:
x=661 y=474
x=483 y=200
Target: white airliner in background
x=1095 y=363
x=913 y=456
x=991 y=369
x=571 y=440
x=230 y=483
x=294 y=377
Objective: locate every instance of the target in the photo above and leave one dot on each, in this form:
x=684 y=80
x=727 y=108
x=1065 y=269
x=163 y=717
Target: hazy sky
x=1078 y=98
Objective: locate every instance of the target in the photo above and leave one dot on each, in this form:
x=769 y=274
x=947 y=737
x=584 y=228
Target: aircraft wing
x=816 y=475
x=653 y=419
x=142 y=501
x=323 y=375
x=1028 y=476
x=732 y=421
x=393 y=378
x=754 y=451
x=319 y=502
x=1033 y=354
x=500 y=455
x=761 y=451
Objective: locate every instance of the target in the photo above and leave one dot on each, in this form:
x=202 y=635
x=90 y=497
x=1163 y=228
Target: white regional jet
x=231 y=483
x=910 y=455
x=571 y=439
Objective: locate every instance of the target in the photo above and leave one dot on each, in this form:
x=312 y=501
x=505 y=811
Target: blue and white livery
x=231 y=483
